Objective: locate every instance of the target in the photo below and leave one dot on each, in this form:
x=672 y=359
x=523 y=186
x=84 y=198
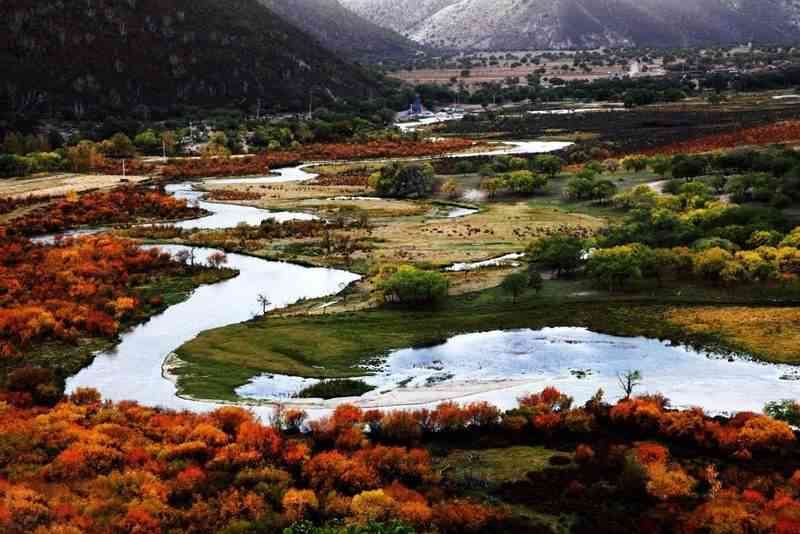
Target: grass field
x=773 y=334
x=496 y=466
x=415 y=232
x=333 y=346
x=61 y=184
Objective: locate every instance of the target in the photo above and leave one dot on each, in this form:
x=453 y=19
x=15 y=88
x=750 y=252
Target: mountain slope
x=520 y=24
x=344 y=31
x=119 y=55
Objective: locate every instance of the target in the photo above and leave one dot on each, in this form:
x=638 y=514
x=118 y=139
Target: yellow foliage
x=373 y=505
x=669 y=482
x=298 y=503
x=771 y=333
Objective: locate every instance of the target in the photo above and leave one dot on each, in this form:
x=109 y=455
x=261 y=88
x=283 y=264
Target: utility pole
x=164 y=147
x=310 y=103
x=123 y=168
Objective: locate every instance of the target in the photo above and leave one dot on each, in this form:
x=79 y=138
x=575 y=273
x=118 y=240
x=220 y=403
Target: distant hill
x=526 y=24
x=344 y=31
x=82 y=56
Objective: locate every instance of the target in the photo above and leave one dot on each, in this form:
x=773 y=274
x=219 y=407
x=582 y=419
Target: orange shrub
x=373 y=506
x=651 y=453
x=668 y=482
x=584 y=454
x=400 y=426
x=299 y=504
x=71 y=289
x=254 y=437
x=121 y=206
x=461 y=516
x=448 y=417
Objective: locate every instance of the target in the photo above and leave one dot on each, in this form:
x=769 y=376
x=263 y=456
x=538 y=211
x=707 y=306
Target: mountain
x=344 y=31
x=542 y=24
x=150 y=55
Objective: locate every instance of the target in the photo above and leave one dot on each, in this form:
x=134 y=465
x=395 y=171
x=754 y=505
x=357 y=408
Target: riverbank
x=335 y=345
x=156 y=296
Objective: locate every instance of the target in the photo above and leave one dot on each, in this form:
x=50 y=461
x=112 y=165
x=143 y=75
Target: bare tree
x=264 y=302
x=327 y=242
x=182 y=256
x=217 y=260
x=629 y=380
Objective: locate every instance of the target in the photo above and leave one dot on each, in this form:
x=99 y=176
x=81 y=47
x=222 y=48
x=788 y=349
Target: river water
x=227 y=215
x=132 y=370
x=501 y=366
x=495 y=366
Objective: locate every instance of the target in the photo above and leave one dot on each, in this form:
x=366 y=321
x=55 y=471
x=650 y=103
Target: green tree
x=515 y=285
x=492 y=186
x=405 y=181
x=688 y=167
x=635 y=163
x=604 y=190
x=524 y=182
x=535 y=279
x=119 y=146
x=464 y=167
x=548 y=165
x=615 y=266
x=413 y=287
x=148 y=141
x=787 y=411
x=710 y=263
x=563 y=253
x=661 y=165
x=629 y=381
x=486 y=170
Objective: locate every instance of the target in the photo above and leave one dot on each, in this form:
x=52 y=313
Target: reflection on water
x=228 y=215
x=287 y=174
x=575 y=360
x=133 y=369
x=457 y=213
x=508 y=259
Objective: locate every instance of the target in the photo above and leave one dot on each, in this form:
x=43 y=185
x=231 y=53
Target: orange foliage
x=121 y=206
x=94 y=467
x=547 y=401
x=780 y=132
x=400 y=426
x=462 y=516
x=763 y=433
x=252 y=436
x=262 y=163
x=375 y=505
x=669 y=482
x=584 y=454
x=651 y=453
x=70 y=289
x=298 y=504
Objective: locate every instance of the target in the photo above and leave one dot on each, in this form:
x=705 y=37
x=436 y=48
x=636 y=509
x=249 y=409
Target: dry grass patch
x=770 y=333
x=499 y=229
x=61 y=184
x=285 y=194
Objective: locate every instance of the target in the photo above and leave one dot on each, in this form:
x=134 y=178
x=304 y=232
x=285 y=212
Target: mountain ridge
x=344 y=31
x=146 y=55
x=559 y=24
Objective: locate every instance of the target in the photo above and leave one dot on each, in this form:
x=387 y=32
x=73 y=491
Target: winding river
x=501 y=366
x=133 y=369
x=227 y=215
x=496 y=366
